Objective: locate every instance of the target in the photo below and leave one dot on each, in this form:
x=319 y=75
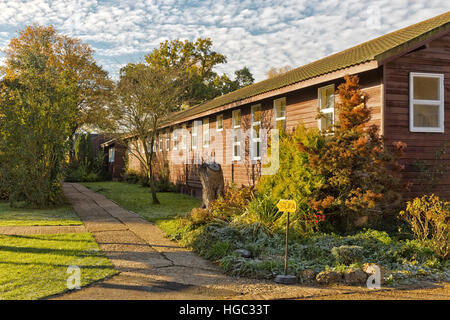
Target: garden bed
x=260 y=254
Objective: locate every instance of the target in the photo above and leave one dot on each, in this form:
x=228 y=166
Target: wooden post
x=287 y=247
x=286 y=206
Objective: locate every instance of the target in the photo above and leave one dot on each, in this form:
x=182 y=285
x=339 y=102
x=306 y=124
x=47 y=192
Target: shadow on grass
x=65 y=252
x=39 y=238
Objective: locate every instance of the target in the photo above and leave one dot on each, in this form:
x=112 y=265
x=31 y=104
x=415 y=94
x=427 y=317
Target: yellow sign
x=287 y=206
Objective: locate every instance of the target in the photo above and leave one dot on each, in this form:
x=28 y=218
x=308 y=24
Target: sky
x=258 y=34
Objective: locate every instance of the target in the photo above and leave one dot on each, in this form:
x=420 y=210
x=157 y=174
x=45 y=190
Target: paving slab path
x=153 y=267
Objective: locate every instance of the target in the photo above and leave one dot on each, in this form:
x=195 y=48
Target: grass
x=33 y=267
x=61 y=216
x=138 y=199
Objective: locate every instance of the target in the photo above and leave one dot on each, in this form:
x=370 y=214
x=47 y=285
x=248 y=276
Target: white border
x=439 y=102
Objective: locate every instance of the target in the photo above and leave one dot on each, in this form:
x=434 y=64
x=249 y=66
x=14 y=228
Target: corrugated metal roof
x=378 y=49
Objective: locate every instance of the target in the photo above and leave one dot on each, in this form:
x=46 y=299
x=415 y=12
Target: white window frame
x=194 y=135
x=254 y=140
x=219 y=116
x=111 y=154
x=168 y=140
x=205 y=133
x=275 y=114
x=236 y=132
x=184 y=137
x=175 y=139
x=160 y=144
x=327 y=110
x=440 y=102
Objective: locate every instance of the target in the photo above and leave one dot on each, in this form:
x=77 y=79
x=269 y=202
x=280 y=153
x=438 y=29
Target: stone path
x=153 y=267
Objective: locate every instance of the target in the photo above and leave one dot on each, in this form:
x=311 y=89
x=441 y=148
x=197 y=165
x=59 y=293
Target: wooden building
x=406 y=75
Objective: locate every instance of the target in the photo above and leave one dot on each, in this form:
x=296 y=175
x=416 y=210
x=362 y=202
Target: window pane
x=426 y=116
x=326 y=96
x=281 y=124
x=256 y=149
x=219 y=122
x=426 y=88
x=237 y=150
x=326 y=122
x=256 y=131
x=281 y=111
x=206 y=132
x=280 y=108
x=256 y=114
x=237 y=118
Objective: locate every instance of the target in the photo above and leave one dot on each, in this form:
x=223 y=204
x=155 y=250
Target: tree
x=145 y=96
x=360 y=172
x=196 y=61
x=223 y=84
x=38 y=110
x=42 y=47
x=50 y=86
x=274 y=72
x=83 y=152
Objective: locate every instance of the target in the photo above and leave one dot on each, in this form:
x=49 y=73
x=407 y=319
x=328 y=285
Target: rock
x=308 y=276
x=370 y=268
x=243 y=253
x=355 y=276
x=329 y=277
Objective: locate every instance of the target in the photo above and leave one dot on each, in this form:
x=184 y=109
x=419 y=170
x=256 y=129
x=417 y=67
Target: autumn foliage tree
x=50 y=86
x=360 y=173
x=43 y=47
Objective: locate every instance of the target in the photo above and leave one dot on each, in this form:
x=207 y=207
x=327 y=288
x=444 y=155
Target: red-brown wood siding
x=301 y=107
x=421 y=146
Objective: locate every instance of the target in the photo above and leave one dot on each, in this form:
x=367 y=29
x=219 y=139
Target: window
x=111 y=154
x=205 y=133
x=160 y=143
x=236 y=136
x=279 y=110
x=184 y=137
x=194 y=138
x=219 y=122
x=255 y=149
x=168 y=140
x=175 y=138
x=326 y=107
x=426 y=109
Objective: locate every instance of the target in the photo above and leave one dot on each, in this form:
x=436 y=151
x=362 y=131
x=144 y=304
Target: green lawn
x=138 y=199
x=33 y=267
x=61 y=216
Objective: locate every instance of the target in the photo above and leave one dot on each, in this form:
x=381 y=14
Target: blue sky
x=258 y=34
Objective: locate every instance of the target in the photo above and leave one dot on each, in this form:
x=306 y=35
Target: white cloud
x=257 y=34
